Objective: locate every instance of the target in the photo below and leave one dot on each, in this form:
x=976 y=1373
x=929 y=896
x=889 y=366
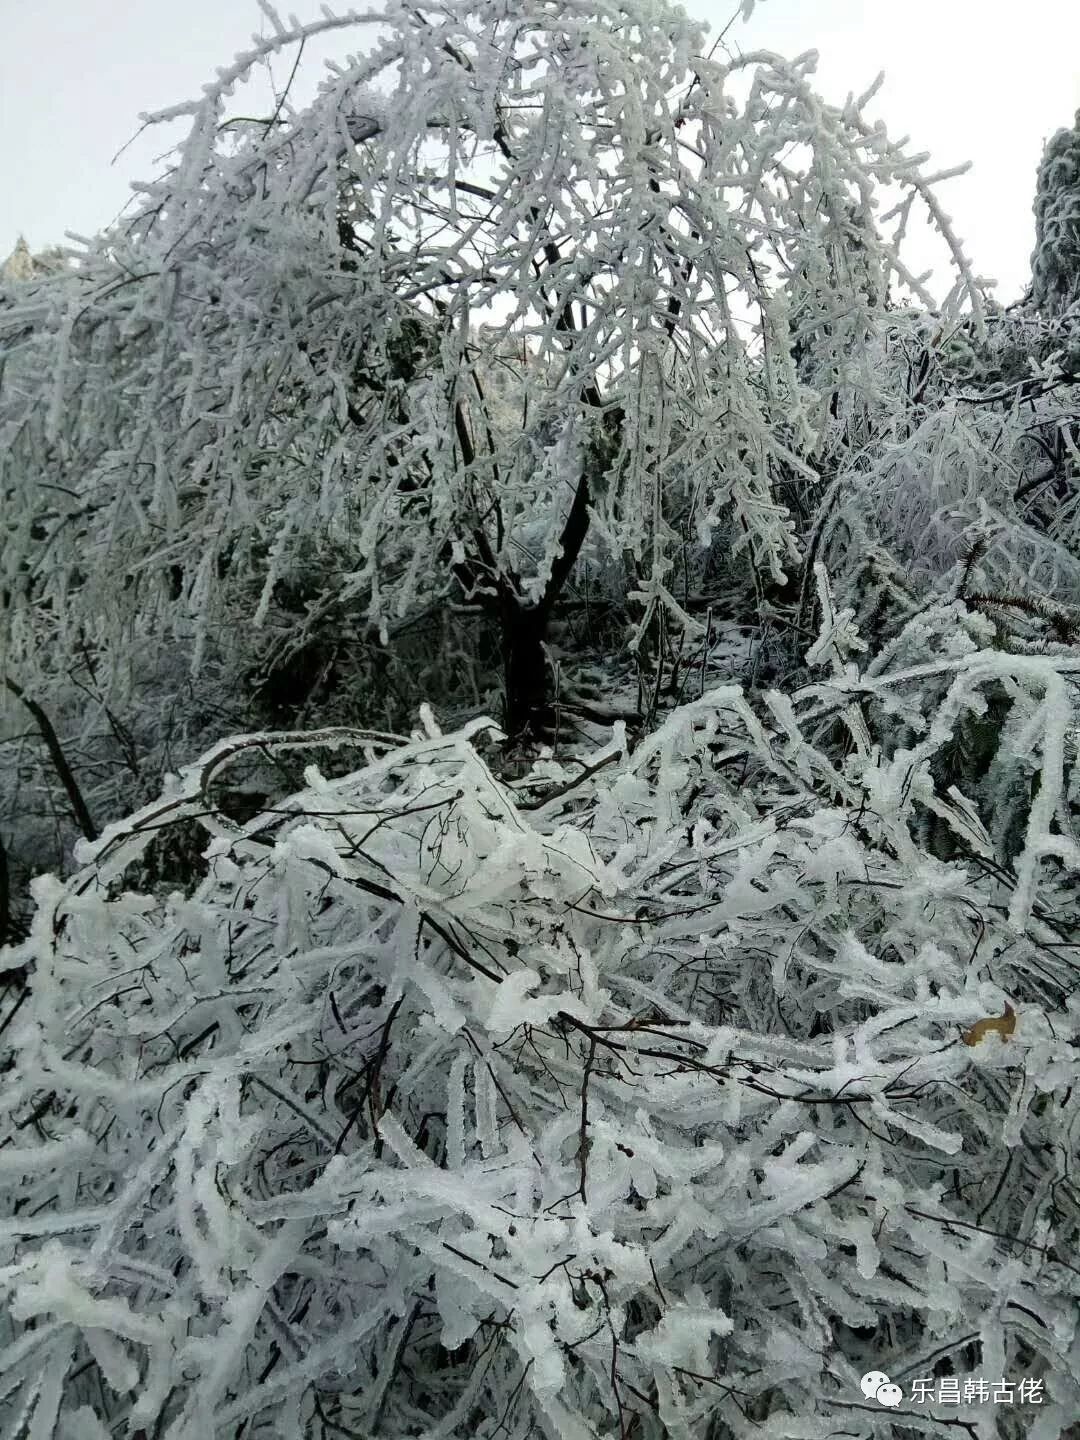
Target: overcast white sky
x=966 y=79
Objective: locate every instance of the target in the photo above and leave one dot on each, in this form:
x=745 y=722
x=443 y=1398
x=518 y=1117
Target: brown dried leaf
x=1004 y=1025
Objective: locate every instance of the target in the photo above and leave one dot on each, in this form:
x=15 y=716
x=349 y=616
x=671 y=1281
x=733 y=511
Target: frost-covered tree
x=1055 y=265
x=275 y=371
x=959 y=467
x=23 y=264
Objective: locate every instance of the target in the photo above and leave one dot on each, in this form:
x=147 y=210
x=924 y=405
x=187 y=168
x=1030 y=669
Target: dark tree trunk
x=59 y=760
x=527 y=708
x=5 y=899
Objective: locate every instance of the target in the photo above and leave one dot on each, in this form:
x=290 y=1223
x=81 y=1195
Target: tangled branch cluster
x=649 y=1097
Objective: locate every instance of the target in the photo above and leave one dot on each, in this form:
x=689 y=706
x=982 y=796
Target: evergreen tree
x=1055 y=264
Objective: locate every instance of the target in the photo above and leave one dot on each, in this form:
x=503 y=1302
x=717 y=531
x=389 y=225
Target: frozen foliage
x=650 y=1097
x=660 y=1090
x=966 y=444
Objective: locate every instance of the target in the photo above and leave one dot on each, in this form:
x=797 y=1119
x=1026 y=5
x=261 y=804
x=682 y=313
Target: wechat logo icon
x=876 y=1385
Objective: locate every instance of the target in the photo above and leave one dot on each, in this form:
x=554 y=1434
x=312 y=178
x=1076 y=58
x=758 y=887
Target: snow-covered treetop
x=22 y=264
x=1055 y=265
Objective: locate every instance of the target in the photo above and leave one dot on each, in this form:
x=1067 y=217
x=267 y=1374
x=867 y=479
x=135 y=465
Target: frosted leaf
x=537 y=1346
x=682 y=1337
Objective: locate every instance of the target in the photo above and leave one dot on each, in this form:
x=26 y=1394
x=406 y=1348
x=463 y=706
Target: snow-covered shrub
x=963 y=464
x=651 y=1096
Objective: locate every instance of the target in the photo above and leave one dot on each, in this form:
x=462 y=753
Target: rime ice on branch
x=438 y=1101
x=282 y=358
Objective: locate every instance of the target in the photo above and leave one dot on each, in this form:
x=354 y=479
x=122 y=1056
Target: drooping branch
x=64 y=772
